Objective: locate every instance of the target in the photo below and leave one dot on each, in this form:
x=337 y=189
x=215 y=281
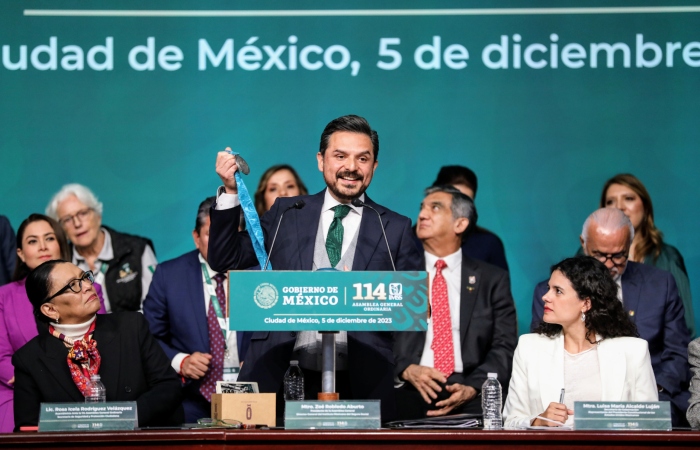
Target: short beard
x=341 y=196
x=346 y=198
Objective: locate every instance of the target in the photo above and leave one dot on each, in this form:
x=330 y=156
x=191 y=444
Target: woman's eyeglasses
x=75 y=285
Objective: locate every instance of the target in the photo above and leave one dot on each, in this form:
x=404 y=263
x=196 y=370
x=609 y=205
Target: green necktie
x=334 y=241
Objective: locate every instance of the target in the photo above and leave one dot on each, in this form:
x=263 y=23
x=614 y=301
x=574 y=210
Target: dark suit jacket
x=174 y=309
x=8 y=251
x=133 y=368
x=651 y=299
x=370 y=356
x=487 y=327
x=486 y=246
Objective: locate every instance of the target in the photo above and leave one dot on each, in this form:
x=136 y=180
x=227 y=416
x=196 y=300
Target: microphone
x=297 y=205
x=359 y=203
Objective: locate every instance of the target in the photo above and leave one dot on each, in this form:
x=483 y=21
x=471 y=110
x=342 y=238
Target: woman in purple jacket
x=39 y=239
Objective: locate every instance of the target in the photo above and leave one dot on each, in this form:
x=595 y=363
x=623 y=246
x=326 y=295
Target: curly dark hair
x=592 y=280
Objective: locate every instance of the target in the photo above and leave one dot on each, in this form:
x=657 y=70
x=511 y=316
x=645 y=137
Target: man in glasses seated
x=650 y=297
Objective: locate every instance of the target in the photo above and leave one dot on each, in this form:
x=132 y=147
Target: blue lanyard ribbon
x=251 y=219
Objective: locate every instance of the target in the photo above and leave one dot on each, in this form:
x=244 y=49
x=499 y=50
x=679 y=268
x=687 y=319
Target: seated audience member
x=627 y=193
x=7 y=251
x=477 y=242
x=39 y=239
x=473 y=327
x=278 y=181
x=183 y=317
x=693 y=414
x=650 y=298
x=585 y=344
x=56 y=366
x=122 y=263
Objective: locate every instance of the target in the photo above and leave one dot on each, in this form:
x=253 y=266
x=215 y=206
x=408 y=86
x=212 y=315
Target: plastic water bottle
x=492 y=403
x=97 y=392
x=294 y=382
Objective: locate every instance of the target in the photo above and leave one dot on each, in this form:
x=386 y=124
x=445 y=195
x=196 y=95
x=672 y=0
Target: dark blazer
x=487 y=327
x=133 y=368
x=370 y=355
x=8 y=251
x=651 y=299
x=174 y=309
x=486 y=246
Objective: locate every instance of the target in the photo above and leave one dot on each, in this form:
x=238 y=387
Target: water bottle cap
x=294 y=362
x=493 y=375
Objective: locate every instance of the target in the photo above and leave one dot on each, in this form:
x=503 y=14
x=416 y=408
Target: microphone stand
x=328 y=392
x=328 y=337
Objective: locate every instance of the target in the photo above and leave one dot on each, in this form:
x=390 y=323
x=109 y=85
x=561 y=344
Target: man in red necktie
x=472 y=328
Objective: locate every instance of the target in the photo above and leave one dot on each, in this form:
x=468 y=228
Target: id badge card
x=231 y=373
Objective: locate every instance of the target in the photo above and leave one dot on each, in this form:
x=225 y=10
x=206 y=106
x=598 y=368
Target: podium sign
x=328 y=301
x=88 y=416
x=622 y=416
x=342 y=414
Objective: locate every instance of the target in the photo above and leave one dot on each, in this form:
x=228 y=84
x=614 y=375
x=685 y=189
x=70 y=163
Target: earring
x=58 y=319
x=583 y=316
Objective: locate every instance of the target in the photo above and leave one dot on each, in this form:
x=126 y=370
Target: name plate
x=328 y=301
x=342 y=414
x=622 y=416
x=88 y=416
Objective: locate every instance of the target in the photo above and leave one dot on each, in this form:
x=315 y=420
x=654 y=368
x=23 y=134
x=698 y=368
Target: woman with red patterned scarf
x=56 y=366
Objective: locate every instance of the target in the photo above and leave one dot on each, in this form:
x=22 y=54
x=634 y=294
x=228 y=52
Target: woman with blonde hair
x=280 y=180
x=628 y=194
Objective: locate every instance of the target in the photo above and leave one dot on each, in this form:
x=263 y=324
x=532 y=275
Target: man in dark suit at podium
x=472 y=329
x=328 y=232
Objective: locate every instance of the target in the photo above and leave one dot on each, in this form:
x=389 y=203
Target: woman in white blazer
x=584 y=345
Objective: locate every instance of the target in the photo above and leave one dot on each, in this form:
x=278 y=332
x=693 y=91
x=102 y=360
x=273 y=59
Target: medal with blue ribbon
x=251 y=215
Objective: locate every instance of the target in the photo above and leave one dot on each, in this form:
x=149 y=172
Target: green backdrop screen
x=544 y=100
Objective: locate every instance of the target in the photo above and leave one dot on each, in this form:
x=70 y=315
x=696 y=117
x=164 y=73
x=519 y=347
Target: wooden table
x=347 y=439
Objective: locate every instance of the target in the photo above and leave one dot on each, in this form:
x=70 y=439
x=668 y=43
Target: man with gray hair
x=472 y=329
x=649 y=296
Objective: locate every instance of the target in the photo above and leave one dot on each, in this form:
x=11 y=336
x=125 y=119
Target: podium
x=328 y=301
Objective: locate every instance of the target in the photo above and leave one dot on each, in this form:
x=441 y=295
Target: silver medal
x=242 y=165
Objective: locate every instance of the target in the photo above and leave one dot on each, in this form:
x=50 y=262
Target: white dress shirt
x=582 y=378
x=618 y=281
x=231 y=342
x=453 y=278
x=351 y=222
